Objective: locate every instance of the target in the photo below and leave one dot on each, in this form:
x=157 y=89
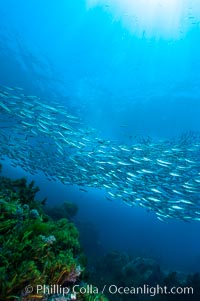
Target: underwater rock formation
x=122 y=270
x=35 y=250
x=65 y=210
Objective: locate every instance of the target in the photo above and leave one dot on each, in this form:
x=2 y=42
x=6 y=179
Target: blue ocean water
x=126 y=82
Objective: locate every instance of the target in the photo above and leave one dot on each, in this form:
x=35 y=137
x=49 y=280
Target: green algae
x=35 y=250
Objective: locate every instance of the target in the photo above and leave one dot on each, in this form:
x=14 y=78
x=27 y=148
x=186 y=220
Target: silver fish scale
x=163 y=176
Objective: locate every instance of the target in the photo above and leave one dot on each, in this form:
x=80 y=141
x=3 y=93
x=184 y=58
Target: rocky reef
x=36 y=250
x=122 y=271
x=41 y=247
x=65 y=210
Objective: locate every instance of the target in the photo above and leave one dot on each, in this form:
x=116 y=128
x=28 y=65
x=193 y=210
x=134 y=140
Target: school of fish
x=163 y=176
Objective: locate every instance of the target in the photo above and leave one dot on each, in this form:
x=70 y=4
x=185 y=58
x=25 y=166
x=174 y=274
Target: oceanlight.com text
x=150 y=290
x=108 y=289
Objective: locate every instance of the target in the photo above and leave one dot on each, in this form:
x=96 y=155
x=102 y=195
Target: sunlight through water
x=153 y=18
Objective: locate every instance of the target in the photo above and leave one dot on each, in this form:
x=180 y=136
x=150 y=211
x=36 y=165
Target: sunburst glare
x=157 y=18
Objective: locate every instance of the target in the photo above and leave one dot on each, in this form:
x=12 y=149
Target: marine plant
x=125 y=270
x=64 y=210
x=97 y=297
x=35 y=250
